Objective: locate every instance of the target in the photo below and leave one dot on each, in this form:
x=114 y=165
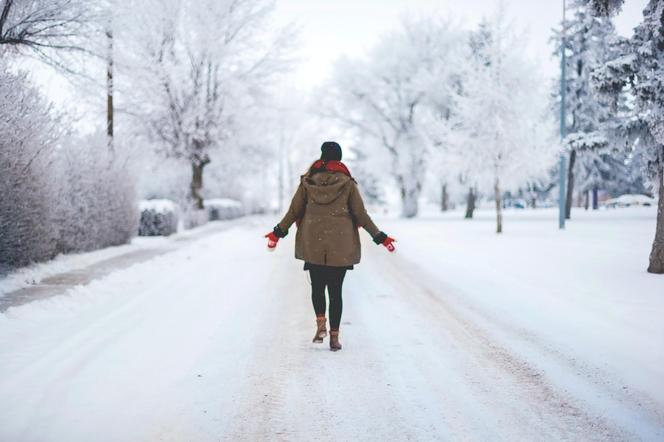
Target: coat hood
x=325 y=187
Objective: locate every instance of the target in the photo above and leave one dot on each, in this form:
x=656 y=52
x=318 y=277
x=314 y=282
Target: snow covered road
x=212 y=342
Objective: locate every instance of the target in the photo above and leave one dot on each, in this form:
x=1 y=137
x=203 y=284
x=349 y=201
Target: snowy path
x=212 y=342
x=58 y=283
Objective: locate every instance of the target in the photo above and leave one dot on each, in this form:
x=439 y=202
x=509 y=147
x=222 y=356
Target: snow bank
x=34 y=273
x=158 y=205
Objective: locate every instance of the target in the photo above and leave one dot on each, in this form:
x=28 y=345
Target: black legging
x=333 y=278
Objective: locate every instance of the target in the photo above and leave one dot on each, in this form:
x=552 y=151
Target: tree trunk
x=470 y=203
x=595 y=198
x=409 y=206
x=570 y=184
x=197 y=183
x=499 y=207
x=444 y=199
x=281 y=187
x=586 y=201
x=657 y=253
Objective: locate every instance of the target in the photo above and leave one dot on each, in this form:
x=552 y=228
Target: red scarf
x=331 y=166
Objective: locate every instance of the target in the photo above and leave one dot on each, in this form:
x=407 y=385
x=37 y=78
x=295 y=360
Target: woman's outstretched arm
x=294 y=213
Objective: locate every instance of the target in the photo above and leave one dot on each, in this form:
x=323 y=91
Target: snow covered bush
x=158 y=218
x=223 y=208
x=59 y=194
x=97 y=204
x=27 y=137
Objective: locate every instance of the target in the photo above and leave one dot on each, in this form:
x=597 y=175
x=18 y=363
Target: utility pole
x=563 y=128
x=109 y=87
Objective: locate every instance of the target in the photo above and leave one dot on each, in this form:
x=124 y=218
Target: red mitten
x=389 y=244
x=272 y=241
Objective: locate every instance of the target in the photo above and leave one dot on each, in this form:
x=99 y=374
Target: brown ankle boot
x=321 y=330
x=334 y=340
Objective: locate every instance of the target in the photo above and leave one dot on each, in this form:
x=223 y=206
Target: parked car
x=630 y=200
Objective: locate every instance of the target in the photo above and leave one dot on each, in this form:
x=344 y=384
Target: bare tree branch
x=47 y=29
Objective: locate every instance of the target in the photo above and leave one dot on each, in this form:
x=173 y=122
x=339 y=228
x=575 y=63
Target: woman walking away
x=328 y=211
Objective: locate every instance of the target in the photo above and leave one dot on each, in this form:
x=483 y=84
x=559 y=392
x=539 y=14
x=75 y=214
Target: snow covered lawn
x=462 y=335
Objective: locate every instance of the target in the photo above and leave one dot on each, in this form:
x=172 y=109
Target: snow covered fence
x=224 y=208
x=159 y=217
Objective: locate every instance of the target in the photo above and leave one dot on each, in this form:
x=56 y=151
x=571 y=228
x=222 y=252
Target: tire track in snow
x=460 y=383
x=552 y=409
x=630 y=407
x=70 y=355
x=262 y=398
x=420 y=365
x=298 y=390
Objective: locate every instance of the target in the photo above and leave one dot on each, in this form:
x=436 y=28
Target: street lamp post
x=563 y=128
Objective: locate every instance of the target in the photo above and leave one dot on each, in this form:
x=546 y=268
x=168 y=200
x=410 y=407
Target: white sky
x=333 y=28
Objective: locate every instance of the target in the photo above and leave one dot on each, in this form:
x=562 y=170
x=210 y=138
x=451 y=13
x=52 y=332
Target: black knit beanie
x=330 y=151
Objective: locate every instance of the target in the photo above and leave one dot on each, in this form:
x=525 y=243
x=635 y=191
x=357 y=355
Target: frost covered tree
x=28 y=133
x=502 y=133
x=47 y=28
x=640 y=67
x=286 y=126
x=599 y=168
x=455 y=156
x=604 y=8
x=368 y=175
x=385 y=96
x=202 y=65
x=589 y=43
x=479 y=57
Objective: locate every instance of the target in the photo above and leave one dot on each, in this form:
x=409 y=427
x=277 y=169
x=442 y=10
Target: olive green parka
x=328 y=209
